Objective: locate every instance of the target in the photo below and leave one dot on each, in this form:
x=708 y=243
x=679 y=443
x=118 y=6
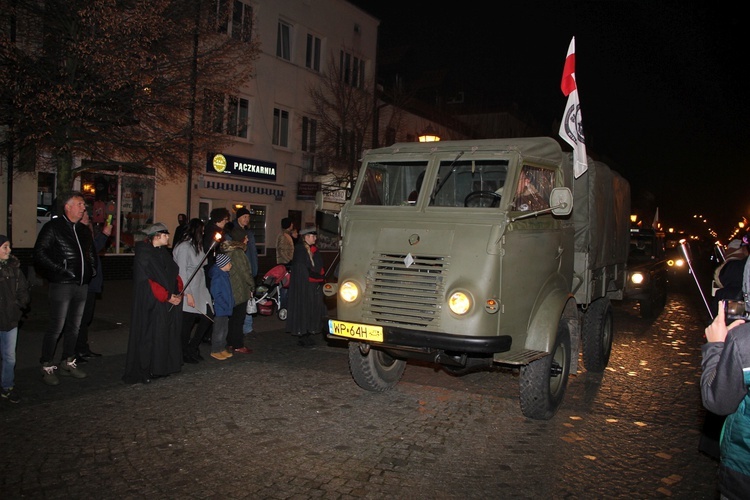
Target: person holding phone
x=96 y=286
x=724 y=389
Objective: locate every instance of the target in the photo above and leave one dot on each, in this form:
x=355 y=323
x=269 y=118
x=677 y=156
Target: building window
x=227 y=114
x=346 y=145
x=309 y=134
x=241 y=16
x=242 y=21
x=280 y=127
x=352 y=70
x=283 y=41
x=239 y=112
x=312 y=55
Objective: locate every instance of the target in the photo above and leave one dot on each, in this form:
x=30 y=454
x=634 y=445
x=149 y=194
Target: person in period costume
x=154 y=345
x=306 y=309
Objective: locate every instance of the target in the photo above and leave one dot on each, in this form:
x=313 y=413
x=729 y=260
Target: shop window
x=258 y=225
x=131 y=207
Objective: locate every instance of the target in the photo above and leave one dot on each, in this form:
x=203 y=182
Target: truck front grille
x=407 y=296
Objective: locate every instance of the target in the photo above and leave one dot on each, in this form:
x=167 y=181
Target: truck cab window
x=533 y=189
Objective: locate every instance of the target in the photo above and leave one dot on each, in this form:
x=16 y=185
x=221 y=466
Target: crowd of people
x=186 y=292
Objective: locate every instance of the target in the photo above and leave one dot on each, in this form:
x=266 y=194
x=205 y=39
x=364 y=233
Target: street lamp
x=429 y=135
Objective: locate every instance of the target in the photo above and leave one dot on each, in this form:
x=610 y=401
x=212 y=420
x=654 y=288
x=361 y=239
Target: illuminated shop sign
x=244 y=167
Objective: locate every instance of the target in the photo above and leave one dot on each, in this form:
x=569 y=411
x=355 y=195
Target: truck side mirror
x=561 y=201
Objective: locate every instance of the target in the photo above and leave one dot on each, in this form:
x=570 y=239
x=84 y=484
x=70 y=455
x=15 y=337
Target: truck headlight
x=637 y=278
x=676 y=262
x=459 y=303
x=348 y=291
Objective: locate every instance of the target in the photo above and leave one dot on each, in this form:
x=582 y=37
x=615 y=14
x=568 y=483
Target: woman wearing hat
x=306 y=309
x=154 y=345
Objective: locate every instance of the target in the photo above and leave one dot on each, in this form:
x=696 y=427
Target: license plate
x=355 y=331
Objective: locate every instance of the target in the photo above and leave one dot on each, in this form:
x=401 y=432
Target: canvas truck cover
x=601 y=215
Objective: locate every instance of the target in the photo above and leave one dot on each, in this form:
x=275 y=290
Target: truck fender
x=555 y=305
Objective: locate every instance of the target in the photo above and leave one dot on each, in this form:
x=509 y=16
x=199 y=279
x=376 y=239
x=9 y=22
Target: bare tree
x=343 y=106
x=116 y=81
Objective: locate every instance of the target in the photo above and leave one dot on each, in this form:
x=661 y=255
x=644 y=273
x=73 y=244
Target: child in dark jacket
x=14 y=298
x=221 y=292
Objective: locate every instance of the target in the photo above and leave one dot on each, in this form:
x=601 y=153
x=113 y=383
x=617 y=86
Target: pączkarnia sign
x=244 y=167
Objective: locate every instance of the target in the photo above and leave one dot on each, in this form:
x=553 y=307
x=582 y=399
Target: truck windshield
x=391 y=183
x=475 y=183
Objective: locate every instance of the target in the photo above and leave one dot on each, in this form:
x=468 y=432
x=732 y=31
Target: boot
x=48 y=374
x=68 y=368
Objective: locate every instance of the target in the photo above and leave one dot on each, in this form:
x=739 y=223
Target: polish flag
x=571 y=127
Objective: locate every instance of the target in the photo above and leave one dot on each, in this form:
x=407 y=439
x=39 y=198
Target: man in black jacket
x=64 y=255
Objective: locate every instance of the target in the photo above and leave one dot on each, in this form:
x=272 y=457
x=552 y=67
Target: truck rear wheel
x=373 y=369
x=597 y=335
x=543 y=382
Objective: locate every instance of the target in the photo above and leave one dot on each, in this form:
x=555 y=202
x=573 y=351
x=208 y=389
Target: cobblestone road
x=287 y=422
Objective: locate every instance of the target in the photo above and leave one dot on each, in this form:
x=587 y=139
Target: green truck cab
x=470 y=254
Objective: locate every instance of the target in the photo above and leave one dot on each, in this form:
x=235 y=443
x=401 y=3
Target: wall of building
x=277 y=83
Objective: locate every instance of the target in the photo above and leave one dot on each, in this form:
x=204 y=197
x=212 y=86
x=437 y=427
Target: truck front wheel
x=373 y=369
x=543 y=382
x=597 y=335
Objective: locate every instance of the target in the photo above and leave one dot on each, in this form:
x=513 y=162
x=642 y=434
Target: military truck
x=648 y=271
x=474 y=254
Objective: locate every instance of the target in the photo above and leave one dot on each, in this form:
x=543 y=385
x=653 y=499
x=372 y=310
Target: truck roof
x=545 y=148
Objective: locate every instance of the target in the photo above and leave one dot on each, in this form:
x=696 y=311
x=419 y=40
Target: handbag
x=251 y=307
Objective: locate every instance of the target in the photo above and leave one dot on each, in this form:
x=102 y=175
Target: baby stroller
x=268 y=293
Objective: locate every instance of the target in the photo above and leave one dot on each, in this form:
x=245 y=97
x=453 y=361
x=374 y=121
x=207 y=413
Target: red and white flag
x=571 y=128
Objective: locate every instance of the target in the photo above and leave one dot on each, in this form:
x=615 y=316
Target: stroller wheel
x=282 y=314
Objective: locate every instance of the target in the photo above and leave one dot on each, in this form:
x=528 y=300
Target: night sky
x=659 y=85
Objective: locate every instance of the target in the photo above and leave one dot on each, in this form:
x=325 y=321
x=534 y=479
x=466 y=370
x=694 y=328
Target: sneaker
x=11 y=395
x=227 y=354
x=244 y=350
x=221 y=356
x=68 y=368
x=48 y=374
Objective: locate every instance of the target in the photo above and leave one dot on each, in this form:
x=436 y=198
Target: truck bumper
x=417 y=340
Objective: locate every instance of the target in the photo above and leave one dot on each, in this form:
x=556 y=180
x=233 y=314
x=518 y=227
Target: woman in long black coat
x=154 y=345
x=306 y=307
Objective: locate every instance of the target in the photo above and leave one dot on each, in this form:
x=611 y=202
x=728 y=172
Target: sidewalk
x=108 y=335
